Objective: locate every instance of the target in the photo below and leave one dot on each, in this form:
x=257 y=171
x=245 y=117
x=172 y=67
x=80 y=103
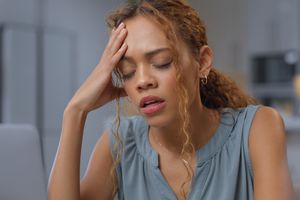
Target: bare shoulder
x=267 y=118
x=97 y=182
x=267 y=124
x=267 y=133
x=267 y=148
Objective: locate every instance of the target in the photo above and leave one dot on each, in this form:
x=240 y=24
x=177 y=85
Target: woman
x=197 y=135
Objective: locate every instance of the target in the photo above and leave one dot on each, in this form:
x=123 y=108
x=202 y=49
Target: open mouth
x=152 y=102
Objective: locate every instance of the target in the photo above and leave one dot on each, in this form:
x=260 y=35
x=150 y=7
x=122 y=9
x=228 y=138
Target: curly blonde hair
x=180 y=22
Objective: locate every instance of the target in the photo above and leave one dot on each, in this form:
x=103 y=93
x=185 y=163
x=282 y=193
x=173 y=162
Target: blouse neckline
x=228 y=118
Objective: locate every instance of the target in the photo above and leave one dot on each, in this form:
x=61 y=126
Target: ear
x=205 y=61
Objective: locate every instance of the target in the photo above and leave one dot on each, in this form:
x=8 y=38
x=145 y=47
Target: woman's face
x=150 y=75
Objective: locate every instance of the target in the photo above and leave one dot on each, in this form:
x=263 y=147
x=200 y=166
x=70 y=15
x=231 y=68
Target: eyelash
x=161 y=67
x=126 y=76
x=164 y=66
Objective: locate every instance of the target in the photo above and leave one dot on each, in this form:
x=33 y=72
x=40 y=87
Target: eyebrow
x=148 y=55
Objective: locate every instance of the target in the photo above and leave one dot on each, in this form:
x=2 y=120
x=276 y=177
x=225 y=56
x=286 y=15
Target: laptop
x=22 y=175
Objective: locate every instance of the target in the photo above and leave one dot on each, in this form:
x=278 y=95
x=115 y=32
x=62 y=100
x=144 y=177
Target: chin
x=160 y=120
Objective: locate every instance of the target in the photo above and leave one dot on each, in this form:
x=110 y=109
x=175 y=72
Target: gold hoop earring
x=204 y=80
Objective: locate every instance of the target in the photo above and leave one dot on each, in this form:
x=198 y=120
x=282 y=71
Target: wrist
x=73 y=122
x=73 y=111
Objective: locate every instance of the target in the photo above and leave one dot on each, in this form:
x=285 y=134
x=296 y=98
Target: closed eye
x=163 y=66
x=127 y=76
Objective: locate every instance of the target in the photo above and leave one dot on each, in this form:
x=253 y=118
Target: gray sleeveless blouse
x=223 y=170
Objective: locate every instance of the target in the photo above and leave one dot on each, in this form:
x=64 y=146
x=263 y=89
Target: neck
x=203 y=124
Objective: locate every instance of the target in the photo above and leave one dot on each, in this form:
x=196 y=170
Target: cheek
x=129 y=90
x=193 y=88
x=191 y=80
x=170 y=81
x=132 y=97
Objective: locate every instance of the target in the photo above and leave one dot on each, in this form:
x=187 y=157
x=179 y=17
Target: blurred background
x=49 y=47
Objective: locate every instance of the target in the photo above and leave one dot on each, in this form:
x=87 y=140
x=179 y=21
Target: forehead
x=144 y=35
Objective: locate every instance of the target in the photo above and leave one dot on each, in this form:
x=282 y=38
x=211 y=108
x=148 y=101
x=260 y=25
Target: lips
x=151 y=105
x=150 y=100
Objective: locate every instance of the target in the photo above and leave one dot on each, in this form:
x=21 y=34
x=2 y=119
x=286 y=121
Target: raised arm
x=268 y=156
x=97 y=90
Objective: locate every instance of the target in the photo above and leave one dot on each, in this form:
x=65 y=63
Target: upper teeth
x=148 y=102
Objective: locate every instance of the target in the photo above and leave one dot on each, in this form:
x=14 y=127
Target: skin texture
x=267 y=136
x=147 y=78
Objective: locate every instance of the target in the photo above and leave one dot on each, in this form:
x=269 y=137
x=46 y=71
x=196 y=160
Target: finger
x=118 y=55
x=116 y=30
x=117 y=43
x=110 y=62
x=114 y=34
x=113 y=30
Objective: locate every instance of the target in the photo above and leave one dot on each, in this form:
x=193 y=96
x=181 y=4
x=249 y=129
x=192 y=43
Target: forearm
x=64 y=182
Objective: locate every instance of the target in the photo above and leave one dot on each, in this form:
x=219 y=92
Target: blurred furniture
x=272 y=83
x=21 y=168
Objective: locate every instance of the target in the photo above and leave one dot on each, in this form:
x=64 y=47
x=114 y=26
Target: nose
x=145 y=79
